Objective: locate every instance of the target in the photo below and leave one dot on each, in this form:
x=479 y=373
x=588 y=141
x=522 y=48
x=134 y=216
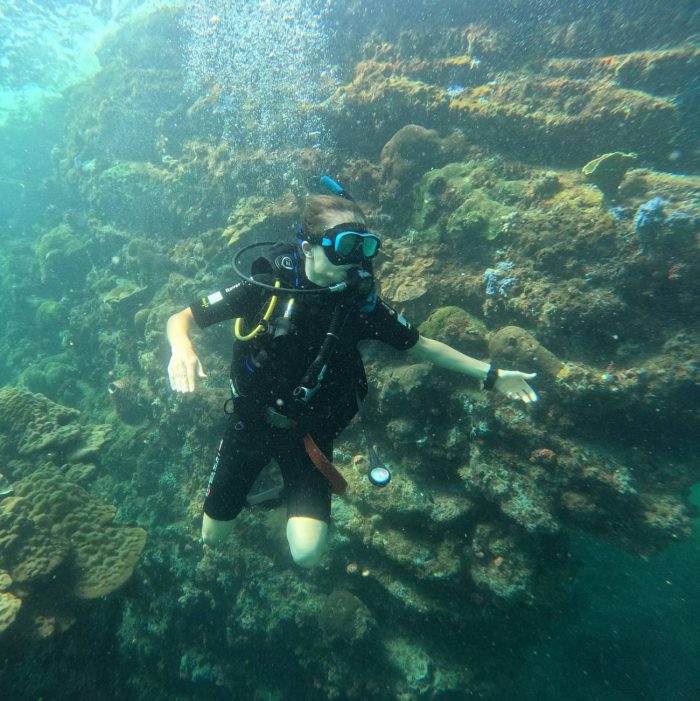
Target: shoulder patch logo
x=285 y=262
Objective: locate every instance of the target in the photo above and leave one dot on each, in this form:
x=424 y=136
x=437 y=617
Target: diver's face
x=318 y=268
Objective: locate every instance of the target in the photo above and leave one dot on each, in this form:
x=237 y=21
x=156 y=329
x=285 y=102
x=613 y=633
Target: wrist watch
x=491 y=377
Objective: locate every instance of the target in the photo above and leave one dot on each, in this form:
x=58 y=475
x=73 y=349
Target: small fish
x=5 y=486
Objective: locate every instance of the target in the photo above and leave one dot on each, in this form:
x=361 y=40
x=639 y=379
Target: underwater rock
x=124 y=394
x=54 y=527
x=346 y=618
x=463 y=204
x=136 y=196
x=32 y=424
x=5 y=580
x=408 y=154
x=151 y=40
x=404 y=277
x=514 y=346
x=49 y=316
x=458 y=329
x=125 y=297
x=541 y=118
x=373 y=87
x=9 y=608
x=62 y=257
x=607 y=171
x=545 y=185
x=52 y=376
x=141 y=319
x=562 y=117
x=501 y=564
x=260 y=215
x=411 y=150
x=658 y=72
x=150 y=264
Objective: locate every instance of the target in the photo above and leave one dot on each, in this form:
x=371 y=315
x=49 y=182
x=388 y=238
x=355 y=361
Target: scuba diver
x=297 y=377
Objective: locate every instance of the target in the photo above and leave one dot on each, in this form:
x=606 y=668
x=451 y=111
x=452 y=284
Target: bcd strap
x=325 y=466
x=278 y=259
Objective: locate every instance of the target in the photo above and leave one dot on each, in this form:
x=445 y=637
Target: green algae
x=463 y=202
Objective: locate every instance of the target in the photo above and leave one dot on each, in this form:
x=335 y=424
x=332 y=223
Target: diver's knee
x=215 y=532
x=307 y=540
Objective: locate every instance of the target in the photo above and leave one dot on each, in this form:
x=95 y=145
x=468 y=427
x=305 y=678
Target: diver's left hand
x=512 y=383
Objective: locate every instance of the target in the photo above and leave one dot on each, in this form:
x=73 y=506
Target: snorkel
x=335 y=188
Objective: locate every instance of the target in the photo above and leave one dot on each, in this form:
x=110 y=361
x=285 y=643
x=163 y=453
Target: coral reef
x=458 y=328
x=57 y=541
x=607 y=171
x=467 y=158
x=36 y=426
x=345 y=618
x=464 y=204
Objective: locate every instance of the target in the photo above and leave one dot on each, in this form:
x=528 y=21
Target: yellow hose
x=261 y=325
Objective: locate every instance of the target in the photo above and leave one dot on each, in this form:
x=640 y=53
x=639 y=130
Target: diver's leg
x=239 y=459
x=215 y=532
x=307 y=538
x=308 y=501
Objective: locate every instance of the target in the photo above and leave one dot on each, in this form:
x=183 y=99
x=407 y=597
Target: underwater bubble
x=264 y=68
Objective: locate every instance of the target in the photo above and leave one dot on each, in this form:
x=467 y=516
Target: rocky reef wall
x=467 y=151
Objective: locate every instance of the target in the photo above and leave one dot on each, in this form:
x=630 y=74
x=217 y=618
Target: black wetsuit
x=266 y=370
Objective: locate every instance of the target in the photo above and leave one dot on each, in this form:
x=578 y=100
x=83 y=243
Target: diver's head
x=334 y=239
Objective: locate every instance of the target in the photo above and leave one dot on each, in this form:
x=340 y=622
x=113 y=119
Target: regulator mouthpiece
x=361 y=281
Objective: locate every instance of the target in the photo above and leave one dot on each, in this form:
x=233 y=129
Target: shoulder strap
x=280 y=260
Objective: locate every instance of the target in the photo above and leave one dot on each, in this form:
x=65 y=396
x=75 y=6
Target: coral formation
x=63 y=258
x=458 y=328
x=57 y=541
x=345 y=618
x=34 y=425
x=607 y=171
x=9 y=607
x=514 y=346
x=463 y=204
x=465 y=153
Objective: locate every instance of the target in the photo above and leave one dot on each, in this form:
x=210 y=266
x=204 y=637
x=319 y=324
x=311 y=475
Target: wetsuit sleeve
x=243 y=299
x=385 y=324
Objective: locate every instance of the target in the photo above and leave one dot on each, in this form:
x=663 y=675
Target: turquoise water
x=634 y=636
x=521 y=553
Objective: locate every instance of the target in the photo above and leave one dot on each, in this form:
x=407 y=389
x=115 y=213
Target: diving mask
x=348 y=243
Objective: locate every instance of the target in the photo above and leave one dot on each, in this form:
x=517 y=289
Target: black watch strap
x=491 y=377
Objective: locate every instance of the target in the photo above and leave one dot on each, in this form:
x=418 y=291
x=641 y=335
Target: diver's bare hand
x=184 y=369
x=512 y=383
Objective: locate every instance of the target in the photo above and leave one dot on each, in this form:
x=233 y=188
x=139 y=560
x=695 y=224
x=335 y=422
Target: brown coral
x=54 y=527
x=33 y=424
x=518 y=347
x=103 y=556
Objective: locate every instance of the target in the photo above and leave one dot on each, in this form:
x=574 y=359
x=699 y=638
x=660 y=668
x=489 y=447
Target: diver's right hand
x=184 y=369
